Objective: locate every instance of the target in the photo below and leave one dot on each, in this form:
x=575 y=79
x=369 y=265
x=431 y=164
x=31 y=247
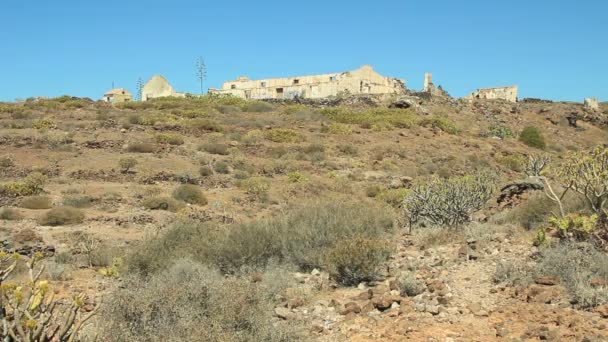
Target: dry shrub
x=189 y=301
x=215 y=148
x=141 y=148
x=61 y=216
x=162 y=203
x=36 y=202
x=190 y=194
x=357 y=259
x=10 y=214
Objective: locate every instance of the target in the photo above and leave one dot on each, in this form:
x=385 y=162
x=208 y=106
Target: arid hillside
x=220 y=219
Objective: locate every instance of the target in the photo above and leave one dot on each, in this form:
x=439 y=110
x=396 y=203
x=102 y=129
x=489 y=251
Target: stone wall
x=361 y=81
x=592 y=103
x=498 y=93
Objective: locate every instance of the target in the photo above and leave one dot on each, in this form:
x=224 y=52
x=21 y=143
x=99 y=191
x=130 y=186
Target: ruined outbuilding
x=361 y=81
x=592 y=103
x=158 y=86
x=429 y=86
x=498 y=93
x=117 y=95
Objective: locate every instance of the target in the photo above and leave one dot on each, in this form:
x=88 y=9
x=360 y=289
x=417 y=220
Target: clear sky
x=554 y=49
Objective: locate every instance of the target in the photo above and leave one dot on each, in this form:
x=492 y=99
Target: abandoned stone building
x=429 y=86
x=117 y=95
x=158 y=86
x=591 y=103
x=502 y=93
x=361 y=81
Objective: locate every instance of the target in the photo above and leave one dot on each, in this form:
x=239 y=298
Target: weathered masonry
x=117 y=95
x=361 y=81
x=503 y=93
x=158 y=86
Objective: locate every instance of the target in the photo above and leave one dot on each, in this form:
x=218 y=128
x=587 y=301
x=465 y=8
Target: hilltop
x=268 y=205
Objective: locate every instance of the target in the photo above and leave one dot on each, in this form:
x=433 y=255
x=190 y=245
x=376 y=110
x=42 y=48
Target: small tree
x=201 y=71
x=126 y=164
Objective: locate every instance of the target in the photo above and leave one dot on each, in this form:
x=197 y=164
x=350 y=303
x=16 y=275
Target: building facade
x=361 y=81
x=158 y=86
x=117 y=95
x=502 y=93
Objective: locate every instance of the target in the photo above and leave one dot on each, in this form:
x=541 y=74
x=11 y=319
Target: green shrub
x=44 y=124
x=375 y=118
x=126 y=164
x=448 y=202
x=79 y=201
x=190 y=194
x=162 y=203
x=393 y=197
x=338 y=128
x=283 y=135
x=221 y=167
x=532 y=137
x=252 y=137
x=141 y=148
x=36 y=202
x=501 y=132
x=204 y=124
x=256 y=186
x=10 y=214
x=295 y=177
x=215 y=148
x=31 y=185
x=409 y=286
x=257 y=107
x=205 y=171
x=350 y=150
x=373 y=191
x=171 y=139
x=441 y=123
x=303 y=237
x=60 y=216
x=357 y=259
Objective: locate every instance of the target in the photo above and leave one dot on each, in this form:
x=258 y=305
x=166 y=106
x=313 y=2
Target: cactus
x=31 y=313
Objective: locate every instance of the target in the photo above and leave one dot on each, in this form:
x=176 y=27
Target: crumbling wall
x=361 y=81
x=592 y=103
x=498 y=93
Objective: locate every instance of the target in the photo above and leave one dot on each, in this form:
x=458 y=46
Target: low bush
x=253 y=137
x=205 y=171
x=126 y=164
x=304 y=237
x=441 y=123
x=204 y=124
x=350 y=150
x=36 y=202
x=141 y=147
x=376 y=118
x=195 y=301
x=31 y=185
x=357 y=259
x=79 y=201
x=338 y=128
x=256 y=186
x=577 y=266
x=393 y=197
x=374 y=190
x=409 y=286
x=448 y=202
x=190 y=194
x=283 y=135
x=162 y=203
x=257 y=107
x=221 y=167
x=171 y=139
x=60 y=216
x=532 y=137
x=10 y=214
x=215 y=148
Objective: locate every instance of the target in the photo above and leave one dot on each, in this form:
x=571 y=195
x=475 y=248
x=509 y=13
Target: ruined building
x=503 y=93
x=361 y=81
x=429 y=87
x=591 y=103
x=158 y=86
x=117 y=95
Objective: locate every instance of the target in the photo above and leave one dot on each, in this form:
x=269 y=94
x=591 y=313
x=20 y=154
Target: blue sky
x=551 y=49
